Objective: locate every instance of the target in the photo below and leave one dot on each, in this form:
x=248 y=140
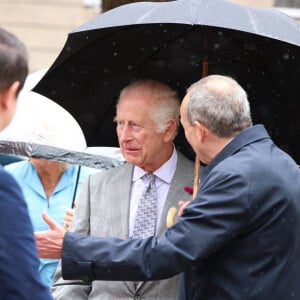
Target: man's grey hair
x=166 y=104
x=219 y=103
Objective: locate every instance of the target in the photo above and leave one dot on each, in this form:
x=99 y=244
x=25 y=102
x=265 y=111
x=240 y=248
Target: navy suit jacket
x=239 y=239
x=19 y=277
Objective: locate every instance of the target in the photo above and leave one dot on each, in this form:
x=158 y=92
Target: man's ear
x=170 y=130
x=9 y=95
x=201 y=130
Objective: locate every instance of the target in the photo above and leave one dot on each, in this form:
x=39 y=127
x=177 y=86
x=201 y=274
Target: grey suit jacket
x=103 y=210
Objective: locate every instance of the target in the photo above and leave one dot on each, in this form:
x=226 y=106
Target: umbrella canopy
x=43 y=129
x=178 y=42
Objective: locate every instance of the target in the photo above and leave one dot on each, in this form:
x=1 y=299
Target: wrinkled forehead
x=134 y=110
x=136 y=100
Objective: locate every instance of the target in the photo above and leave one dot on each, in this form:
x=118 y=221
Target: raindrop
x=286 y=56
x=160 y=64
x=115 y=53
x=69 y=49
x=129 y=67
x=192 y=63
x=249 y=85
x=216 y=46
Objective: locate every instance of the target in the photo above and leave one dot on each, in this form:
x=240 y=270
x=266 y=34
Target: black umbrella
x=178 y=42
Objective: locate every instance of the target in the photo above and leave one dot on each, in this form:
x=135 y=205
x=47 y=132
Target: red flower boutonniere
x=189 y=189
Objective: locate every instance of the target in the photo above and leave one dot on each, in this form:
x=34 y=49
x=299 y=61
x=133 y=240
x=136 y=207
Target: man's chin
x=131 y=158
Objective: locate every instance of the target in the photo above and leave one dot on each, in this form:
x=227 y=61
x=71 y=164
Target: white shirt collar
x=165 y=172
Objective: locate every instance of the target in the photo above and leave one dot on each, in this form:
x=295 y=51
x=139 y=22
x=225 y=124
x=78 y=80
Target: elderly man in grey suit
x=147 y=120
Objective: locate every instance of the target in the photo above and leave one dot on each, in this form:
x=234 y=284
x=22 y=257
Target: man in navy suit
x=238 y=239
x=19 y=277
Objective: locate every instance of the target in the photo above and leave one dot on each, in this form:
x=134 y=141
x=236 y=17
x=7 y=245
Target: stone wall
x=43 y=25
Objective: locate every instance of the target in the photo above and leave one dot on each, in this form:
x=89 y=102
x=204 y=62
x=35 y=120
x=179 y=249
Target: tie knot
x=150 y=177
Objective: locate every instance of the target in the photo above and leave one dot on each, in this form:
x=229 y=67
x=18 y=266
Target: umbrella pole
x=205 y=63
x=172 y=213
x=196 y=177
x=75 y=187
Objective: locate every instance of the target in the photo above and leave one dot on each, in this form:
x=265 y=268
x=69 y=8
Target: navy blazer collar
x=243 y=138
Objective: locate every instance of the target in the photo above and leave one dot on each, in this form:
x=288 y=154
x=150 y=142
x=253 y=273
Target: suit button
x=137 y=297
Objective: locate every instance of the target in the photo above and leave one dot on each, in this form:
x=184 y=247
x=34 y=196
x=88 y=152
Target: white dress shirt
x=163 y=180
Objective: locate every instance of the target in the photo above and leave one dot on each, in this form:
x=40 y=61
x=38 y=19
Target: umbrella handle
x=172 y=213
x=196 y=176
x=171 y=216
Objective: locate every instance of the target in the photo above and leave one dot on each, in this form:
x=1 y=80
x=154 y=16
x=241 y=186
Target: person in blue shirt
x=49 y=186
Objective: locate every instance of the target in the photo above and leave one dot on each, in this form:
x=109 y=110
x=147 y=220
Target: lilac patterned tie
x=145 y=221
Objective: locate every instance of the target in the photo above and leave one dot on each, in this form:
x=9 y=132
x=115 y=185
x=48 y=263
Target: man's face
x=139 y=141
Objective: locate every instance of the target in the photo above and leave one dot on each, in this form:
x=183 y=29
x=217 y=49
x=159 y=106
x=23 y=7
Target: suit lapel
x=176 y=191
x=118 y=213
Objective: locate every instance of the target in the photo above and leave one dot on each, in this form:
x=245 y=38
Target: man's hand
x=49 y=242
x=182 y=205
x=68 y=217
